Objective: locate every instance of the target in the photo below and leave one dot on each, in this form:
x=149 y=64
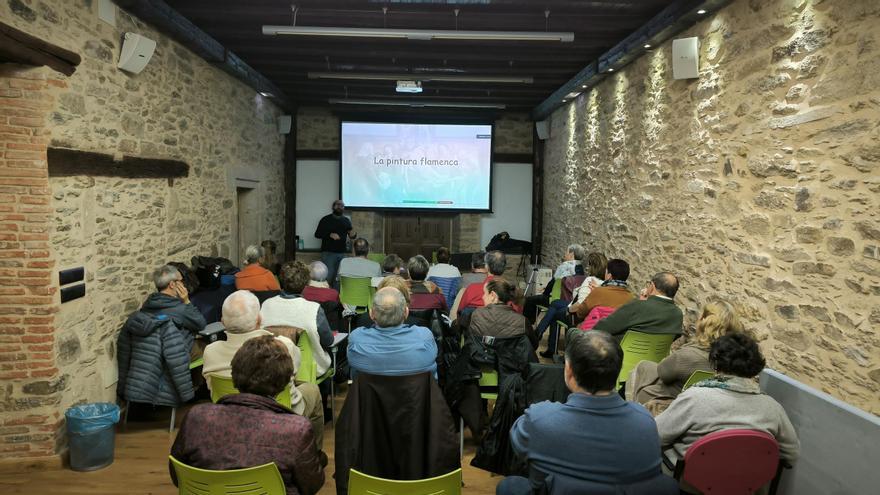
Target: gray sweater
x=699 y=411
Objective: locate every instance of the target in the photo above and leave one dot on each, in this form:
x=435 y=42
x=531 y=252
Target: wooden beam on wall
x=65 y=162
x=21 y=48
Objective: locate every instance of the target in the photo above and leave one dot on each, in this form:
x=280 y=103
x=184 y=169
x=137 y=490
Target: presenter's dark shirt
x=330 y=224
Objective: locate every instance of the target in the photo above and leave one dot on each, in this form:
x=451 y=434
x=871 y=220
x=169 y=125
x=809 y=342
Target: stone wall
x=758 y=182
x=318 y=129
x=179 y=107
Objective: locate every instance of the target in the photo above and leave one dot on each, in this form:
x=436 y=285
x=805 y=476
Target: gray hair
x=496 y=262
x=253 y=253
x=389 y=307
x=241 y=312
x=318 y=271
x=417 y=267
x=577 y=250
x=164 y=275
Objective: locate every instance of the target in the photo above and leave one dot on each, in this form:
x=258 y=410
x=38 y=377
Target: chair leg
x=125 y=416
x=173 y=417
x=461 y=438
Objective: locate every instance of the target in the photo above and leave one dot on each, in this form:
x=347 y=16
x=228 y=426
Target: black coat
x=395 y=427
x=510 y=356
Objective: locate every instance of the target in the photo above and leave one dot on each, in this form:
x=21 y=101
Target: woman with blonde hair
x=664 y=380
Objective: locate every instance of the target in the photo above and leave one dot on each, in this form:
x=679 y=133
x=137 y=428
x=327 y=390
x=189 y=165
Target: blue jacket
x=401 y=350
x=153 y=360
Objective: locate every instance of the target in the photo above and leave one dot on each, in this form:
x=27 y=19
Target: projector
x=409 y=86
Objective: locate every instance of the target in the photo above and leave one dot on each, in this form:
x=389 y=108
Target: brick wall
x=30 y=392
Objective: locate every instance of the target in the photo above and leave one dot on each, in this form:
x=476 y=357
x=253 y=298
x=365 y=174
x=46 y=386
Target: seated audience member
x=731 y=400
x=391 y=347
x=208 y=300
x=496 y=262
x=391 y=265
x=656 y=313
x=359 y=266
x=289 y=309
x=497 y=318
x=443 y=268
x=595 y=439
x=595 y=270
x=241 y=317
x=571 y=265
x=423 y=294
x=171 y=298
x=253 y=276
x=612 y=293
x=478 y=272
x=664 y=380
x=318 y=289
x=249 y=428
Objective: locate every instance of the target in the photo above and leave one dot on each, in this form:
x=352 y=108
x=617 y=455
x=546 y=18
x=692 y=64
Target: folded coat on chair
x=395 y=427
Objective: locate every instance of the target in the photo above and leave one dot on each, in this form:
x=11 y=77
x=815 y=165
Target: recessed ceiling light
x=266 y=95
x=584 y=86
x=610 y=70
x=647 y=45
x=701 y=11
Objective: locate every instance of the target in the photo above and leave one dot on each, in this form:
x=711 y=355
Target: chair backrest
x=731 y=462
x=488 y=378
x=595 y=315
x=640 y=346
x=222 y=386
x=355 y=291
x=449 y=286
x=697 y=376
x=556 y=290
x=308 y=368
x=364 y=484
x=377 y=257
x=258 y=480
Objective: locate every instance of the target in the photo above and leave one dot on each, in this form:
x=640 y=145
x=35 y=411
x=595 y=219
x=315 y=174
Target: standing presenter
x=332 y=230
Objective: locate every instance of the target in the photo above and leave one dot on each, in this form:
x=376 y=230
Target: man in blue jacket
x=171 y=298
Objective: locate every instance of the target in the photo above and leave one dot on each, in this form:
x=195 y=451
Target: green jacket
x=653 y=315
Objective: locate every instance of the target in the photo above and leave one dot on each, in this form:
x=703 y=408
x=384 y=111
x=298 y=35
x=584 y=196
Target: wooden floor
x=141 y=467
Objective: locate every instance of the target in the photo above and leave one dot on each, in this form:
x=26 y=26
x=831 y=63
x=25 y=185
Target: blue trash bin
x=91 y=434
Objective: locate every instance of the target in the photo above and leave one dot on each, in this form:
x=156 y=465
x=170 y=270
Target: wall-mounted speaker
x=542 y=127
x=284 y=123
x=136 y=52
x=686 y=58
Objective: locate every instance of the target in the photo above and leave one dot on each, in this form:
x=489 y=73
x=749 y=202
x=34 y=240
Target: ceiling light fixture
x=647 y=45
x=409 y=86
x=701 y=11
x=610 y=70
x=419 y=34
x=265 y=94
x=420 y=77
x=415 y=104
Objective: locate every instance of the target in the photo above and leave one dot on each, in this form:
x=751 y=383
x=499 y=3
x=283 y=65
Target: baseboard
x=31 y=464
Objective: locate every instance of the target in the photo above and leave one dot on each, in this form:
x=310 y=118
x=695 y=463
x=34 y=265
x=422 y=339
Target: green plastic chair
x=222 y=386
x=257 y=480
x=308 y=368
x=640 y=346
x=364 y=484
x=356 y=291
x=377 y=257
x=488 y=379
x=555 y=293
x=697 y=376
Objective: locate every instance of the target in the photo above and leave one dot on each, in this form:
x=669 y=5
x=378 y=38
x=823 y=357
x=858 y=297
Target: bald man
x=391 y=347
x=654 y=312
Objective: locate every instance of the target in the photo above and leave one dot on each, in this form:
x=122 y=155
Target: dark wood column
x=537 y=195
x=290 y=192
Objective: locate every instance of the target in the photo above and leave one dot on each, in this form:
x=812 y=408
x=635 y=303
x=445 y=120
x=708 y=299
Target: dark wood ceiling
x=286 y=60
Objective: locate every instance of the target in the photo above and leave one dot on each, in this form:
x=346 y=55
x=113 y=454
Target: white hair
x=318 y=271
x=241 y=312
x=389 y=307
x=253 y=253
x=577 y=250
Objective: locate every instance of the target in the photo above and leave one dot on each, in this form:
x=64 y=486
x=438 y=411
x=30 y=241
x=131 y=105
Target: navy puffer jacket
x=153 y=358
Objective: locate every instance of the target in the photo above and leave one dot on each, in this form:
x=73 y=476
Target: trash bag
x=89 y=418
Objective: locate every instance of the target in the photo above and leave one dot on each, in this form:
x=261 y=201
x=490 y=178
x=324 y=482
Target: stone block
x=841 y=246
x=871 y=252
x=868 y=230
x=811 y=268
x=813 y=115
x=806 y=234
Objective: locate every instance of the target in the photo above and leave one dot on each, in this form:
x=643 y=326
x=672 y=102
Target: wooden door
x=409 y=235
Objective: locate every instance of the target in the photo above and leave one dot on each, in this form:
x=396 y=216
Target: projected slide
x=424 y=166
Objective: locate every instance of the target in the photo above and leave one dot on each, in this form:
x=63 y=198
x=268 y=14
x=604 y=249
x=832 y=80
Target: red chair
x=731 y=462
